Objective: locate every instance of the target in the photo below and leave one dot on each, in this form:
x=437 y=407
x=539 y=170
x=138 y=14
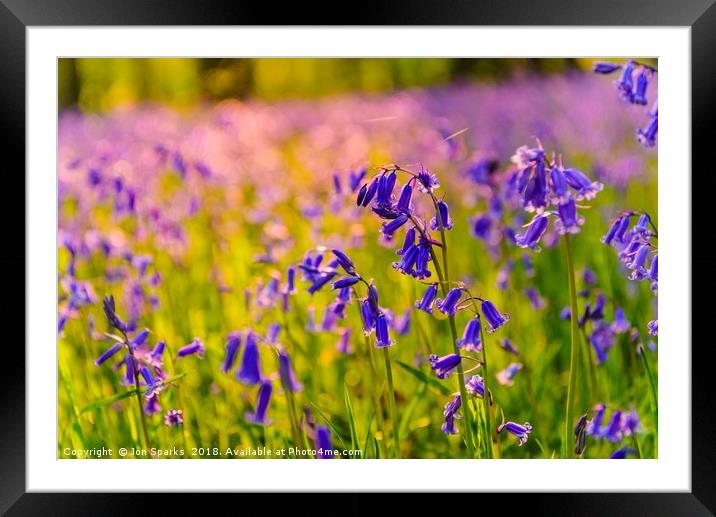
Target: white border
x=672 y=471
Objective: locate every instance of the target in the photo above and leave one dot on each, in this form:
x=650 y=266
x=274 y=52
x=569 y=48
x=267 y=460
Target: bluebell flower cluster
x=632 y=88
x=614 y=429
x=549 y=190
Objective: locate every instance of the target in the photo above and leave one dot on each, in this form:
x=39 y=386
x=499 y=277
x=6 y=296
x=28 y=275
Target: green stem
x=444 y=282
x=139 y=397
x=635 y=442
x=393 y=412
x=568 y=444
x=295 y=427
x=491 y=439
x=654 y=399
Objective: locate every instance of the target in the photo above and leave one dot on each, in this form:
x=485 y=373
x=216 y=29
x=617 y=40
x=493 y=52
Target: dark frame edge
x=702 y=500
x=12 y=259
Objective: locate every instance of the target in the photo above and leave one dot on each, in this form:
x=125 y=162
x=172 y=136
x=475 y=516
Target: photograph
x=348 y=258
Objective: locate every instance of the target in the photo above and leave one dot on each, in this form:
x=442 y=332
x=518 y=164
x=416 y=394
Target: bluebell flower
x=232 y=348
x=638 y=263
x=286 y=373
x=427 y=182
x=408 y=242
x=139 y=338
x=401 y=324
x=653 y=274
x=536 y=229
x=569 y=221
x=448 y=306
x=630 y=422
x=471 y=337
x=452 y=405
x=155 y=356
x=586 y=188
x=426 y=302
x=566 y=313
x=368 y=317
x=262 y=403
x=174 y=418
x=382 y=333
x=449 y=426
x=558 y=185
x=506 y=376
x=535 y=188
x=444 y=214
x=272 y=333
x=195 y=347
x=404 y=201
x=580 y=435
x=128 y=378
x=653 y=327
x=407 y=261
x=492 y=316
x=622 y=453
x=390 y=228
x=647 y=136
x=111 y=314
x=602 y=67
x=345 y=262
x=345 y=282
x=595 y=425
x=621 y=324
x=642 y=226
x=602 y=339
x=481 y=171
x=519 y=431
x=152 y=383
x=151 y=405
x=384 y=195
x=642 y=81
x=444 y=365
x=109 y=353
x=625 y=84
x=481 y=225
x=367 y=193
x=475 y=386
x=355 y=178
x=324 y=449
x=597 y=313
x=249 y=372
x=613 y=430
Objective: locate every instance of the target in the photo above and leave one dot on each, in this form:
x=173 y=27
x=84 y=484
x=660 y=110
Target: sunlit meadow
x=456 y=270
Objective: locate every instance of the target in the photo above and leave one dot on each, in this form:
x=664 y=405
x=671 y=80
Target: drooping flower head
x=286 y=373
x=444 y=365
x=470 y=340
x=492 y=316
x=249 y=372
x=262 y=403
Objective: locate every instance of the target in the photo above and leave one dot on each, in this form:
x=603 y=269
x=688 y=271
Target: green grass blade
x=351 y=419
x=425 y=378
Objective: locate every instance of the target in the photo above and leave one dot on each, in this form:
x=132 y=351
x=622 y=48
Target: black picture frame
x=17 y=15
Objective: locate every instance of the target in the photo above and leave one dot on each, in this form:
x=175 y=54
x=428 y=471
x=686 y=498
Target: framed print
x=426 y=256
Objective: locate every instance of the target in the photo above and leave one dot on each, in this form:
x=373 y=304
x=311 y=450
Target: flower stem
x=654 y=399
x=444 y=282
x=393 y=412
x=491 y=439
x=568 y=444
x=147 y=447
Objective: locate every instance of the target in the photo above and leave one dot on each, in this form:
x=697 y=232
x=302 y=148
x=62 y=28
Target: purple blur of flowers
x=613 y=430
x=535 y=299
x=448 y=306
x=653 y=327
x=382 y=333
x=344 y=341
x=470 y=340
x=621 y=454
x=263 y=398
x=286 y=373
x=492 y=316
x=232 y=348
x=444 y=365
x=249 y=372
x=426 y=302
x=174 y=418
x=630 y=423
x=506 y=376
x=518 y=431
x=195 y=347
x=324 y=448
x=507 y=345
x=621 y=324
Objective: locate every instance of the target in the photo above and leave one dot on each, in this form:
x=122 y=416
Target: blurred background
x=101 y=84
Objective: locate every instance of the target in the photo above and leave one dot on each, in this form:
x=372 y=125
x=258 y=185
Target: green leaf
x=123 y=395
x=408 y=413
x=351 y=419
x=330 y=424
x=426 y=378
